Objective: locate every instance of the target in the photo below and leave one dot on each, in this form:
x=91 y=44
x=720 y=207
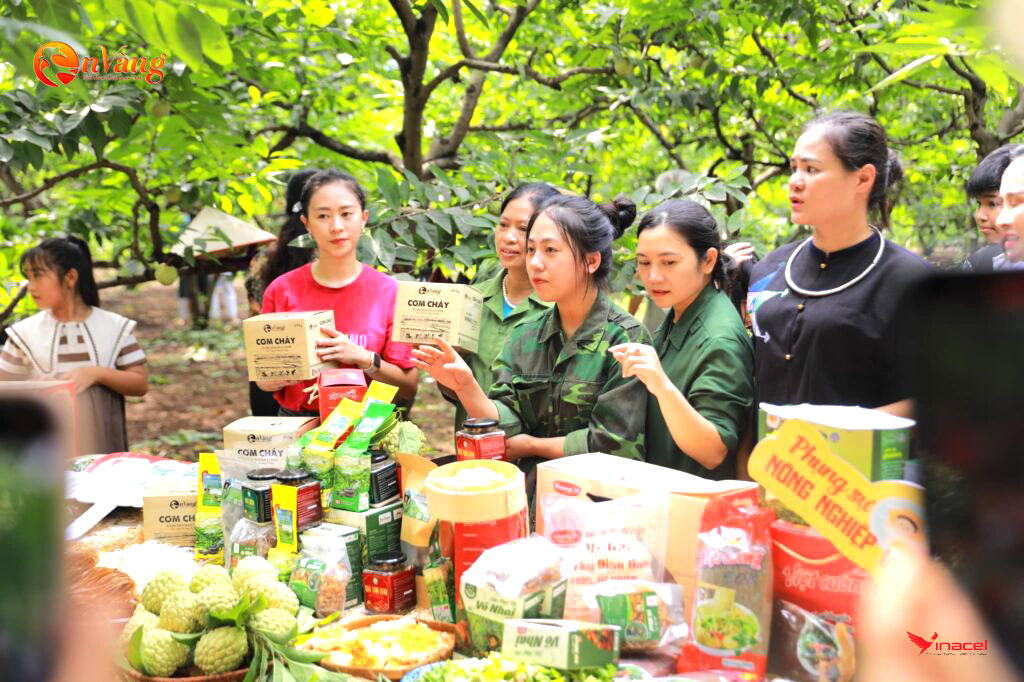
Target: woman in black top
x=824 y=310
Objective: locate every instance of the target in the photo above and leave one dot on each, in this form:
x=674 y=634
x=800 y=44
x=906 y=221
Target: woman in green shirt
x=508 y=295
x=557 y=390
x=699 y=372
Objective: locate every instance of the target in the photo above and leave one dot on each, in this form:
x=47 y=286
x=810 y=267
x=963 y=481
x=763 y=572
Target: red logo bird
x=921 y=641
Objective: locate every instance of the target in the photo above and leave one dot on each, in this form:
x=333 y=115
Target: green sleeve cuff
x=576 y=442
x=508 y=420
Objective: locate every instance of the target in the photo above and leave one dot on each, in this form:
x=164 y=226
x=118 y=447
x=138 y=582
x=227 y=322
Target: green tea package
x=351 y=479
x=352 y=461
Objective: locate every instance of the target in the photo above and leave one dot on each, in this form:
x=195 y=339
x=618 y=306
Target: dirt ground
x=197 y=380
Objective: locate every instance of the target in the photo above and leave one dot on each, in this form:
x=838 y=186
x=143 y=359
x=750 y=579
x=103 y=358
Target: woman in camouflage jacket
x=557 y=389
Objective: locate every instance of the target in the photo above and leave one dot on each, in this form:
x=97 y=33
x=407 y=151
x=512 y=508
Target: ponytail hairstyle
x=857 y=140
x=61 y=255
x=329 y=177
x=285 y=258
x=698 y=228
x=588 y=227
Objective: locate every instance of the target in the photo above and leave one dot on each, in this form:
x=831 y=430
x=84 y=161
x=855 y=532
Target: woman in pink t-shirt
x=363 y=299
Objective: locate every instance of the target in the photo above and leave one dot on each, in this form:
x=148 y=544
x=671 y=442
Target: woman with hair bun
x=557 y=390
x=824 y=310
x=699 y=372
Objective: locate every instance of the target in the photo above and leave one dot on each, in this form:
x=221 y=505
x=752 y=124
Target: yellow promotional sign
x=862 y=519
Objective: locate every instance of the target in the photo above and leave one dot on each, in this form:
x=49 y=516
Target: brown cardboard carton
x=283 y=345
x=424 y=310
x=169 y=512
x=601 y=476
x=258 y=442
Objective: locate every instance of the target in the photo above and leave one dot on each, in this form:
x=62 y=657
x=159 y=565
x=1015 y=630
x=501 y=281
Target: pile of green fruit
x=221 y=622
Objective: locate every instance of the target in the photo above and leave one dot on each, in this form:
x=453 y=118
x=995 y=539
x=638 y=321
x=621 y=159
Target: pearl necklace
x=828 y=292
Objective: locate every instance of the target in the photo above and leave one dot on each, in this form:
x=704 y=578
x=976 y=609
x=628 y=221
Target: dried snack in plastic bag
x=321 y=582
x=519 y=568
x=649 y=615
x=809 y=648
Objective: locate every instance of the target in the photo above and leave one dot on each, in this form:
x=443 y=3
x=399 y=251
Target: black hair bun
x=893 y=169
x=621 y=212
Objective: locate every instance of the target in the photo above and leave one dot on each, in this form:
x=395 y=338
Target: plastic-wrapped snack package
x=320 y=582
x=649 y=615
x=520 y=579
x=730 y=619
x=614 y=540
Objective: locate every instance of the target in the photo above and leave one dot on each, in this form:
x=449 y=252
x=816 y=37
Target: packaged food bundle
x=614 y=540
x=329 y=539
x=209 y=532
x=520 y=579
x=249 y=538
x=730 y=618
x=813 y=575
x=321 y=582
x=561 y=644
x=808 y=648
x=649 y=615
x=352 y=461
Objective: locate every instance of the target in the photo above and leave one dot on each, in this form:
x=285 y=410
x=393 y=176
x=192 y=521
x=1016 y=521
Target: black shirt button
x=824 y=265
x=788 y=356
x=800 y=306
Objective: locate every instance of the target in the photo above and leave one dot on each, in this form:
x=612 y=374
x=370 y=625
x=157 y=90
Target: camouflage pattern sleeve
x=502 y=393
x=617 y=421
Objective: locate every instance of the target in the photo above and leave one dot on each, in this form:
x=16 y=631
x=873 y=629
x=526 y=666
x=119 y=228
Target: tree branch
x=460 y=31
x=31 y=194
x=324 y=140
x=809 y=101
x=767 y=175
x=771 y=138
x=515 y=21
x=1011 y=118
x=404 y=11
x=554 y=82
x=22 y=290
x=716 y=117
x=571 y=120
x=653 y=127
x=977 y=84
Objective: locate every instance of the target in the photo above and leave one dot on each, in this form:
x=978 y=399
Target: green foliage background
x=441 y=106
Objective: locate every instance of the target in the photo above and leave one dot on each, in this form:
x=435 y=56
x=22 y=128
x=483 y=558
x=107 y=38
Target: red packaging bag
x=334 y=385
x=812 y=574
x=730 y=617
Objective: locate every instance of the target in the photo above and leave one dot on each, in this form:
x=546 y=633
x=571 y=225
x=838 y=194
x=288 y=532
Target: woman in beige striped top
x=72 y=338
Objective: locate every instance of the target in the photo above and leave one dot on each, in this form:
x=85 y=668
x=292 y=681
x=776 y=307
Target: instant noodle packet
x=730 y=619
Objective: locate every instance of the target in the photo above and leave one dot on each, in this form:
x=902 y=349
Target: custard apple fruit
x=161 y=653
x=252 y=568
x=219 y=598
x=282 y=597
x=182 y=612
x=207 y=575
x=139 y=618
x=276 y=623
x=221 y=650
x=163 y=584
